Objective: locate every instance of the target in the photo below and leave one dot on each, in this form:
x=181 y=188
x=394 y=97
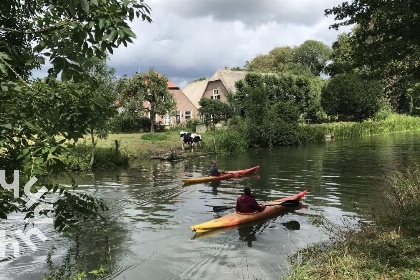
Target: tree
x=282 y=56
x=313 y=54
x=151 y=88
x=342 y=60
x=37 y=117
x=303 y=92
x=102 y=101
x=276 y=61
x=308 y=59
x=214 y=111
x=386 y=40
x=65 y=33
x=351 y=97
x=261 y=63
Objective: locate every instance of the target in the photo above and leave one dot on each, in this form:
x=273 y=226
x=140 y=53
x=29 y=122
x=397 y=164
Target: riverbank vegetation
x=388 y=250
x=118 y=149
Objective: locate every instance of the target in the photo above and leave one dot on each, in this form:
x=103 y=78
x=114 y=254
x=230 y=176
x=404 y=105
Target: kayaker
x=214 y=171
x=246 y=203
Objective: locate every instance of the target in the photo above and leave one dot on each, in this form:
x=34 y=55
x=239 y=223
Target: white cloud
x=190 y=39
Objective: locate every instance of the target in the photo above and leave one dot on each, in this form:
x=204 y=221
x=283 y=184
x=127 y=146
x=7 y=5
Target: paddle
x=287 y=203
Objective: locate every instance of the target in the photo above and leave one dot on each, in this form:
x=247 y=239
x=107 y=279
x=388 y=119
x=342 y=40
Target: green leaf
x=4 y=87
x=3 y=68
x=95 y=2
x=113 y=35
x=101 y=23
x=85 y=5
x=64 y=76
x=31 y=125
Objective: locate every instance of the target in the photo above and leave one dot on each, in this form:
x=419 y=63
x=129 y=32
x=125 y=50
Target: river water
x=151 y=211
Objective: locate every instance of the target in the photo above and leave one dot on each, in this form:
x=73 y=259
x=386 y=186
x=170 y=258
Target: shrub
x=80 y=155
x=191 y=124
x=128 y=125
x=226 y=142
x=351 y=97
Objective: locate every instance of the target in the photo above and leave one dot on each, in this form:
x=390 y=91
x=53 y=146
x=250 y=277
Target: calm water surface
x=151 y=211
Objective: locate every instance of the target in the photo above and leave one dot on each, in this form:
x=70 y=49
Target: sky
x=192 y=39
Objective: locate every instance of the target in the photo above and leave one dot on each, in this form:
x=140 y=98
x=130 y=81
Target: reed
x=394 y=123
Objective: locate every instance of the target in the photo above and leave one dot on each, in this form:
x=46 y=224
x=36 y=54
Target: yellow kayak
x=242 y=218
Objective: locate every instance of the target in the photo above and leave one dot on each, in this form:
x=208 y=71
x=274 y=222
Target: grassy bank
x=222 y=141
x=388 y=250
x=143 y=145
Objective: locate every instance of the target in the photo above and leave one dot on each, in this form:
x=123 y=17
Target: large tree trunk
x=92 y=158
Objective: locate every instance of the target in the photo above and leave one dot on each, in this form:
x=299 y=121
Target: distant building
x=217 y=87
x=185 y=109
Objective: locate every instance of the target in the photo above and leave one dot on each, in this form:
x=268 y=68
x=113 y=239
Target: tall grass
x=225 y=142
x=394 y=123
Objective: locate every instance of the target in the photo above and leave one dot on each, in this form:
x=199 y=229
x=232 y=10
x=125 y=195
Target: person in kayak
x=214 y=171
x=246 y=203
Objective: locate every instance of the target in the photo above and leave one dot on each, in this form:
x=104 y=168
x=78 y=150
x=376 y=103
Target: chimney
x=226 y=68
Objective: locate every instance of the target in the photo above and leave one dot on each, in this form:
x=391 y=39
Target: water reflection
x=214 y=186
x=248 y=234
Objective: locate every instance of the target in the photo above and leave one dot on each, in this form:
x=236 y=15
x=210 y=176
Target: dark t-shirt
x=247 y=204
x=214 y=171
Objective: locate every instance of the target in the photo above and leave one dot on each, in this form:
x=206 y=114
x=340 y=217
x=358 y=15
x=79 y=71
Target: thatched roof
x=194 y=91
x=228 y=78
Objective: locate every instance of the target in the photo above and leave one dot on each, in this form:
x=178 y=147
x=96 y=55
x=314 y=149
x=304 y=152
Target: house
x=185 y=109
x=217 y=87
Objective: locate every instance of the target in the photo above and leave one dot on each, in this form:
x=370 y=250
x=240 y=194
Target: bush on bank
x=80 y=155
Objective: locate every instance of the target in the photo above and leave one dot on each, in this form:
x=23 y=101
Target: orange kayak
x=208 y=179
x=244 y=171
x=238 y=218
x=227 y=175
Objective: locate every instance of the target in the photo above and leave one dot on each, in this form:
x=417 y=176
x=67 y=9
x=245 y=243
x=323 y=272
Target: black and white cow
x=190 y=139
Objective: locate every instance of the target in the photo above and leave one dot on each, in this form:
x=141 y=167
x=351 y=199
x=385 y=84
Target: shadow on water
x=249 y=233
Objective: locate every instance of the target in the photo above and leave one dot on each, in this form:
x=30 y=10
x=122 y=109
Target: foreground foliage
x=37 y=117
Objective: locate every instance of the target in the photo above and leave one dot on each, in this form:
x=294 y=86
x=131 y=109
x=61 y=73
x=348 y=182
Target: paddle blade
x=290 y=203
x=222 y=208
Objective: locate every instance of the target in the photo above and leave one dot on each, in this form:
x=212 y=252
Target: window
x=216 y=94
x=178 y=117
x=167 y=119
x=187 y=115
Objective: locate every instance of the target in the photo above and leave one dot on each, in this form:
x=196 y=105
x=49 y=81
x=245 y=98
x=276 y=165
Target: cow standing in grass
x=190 y=139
